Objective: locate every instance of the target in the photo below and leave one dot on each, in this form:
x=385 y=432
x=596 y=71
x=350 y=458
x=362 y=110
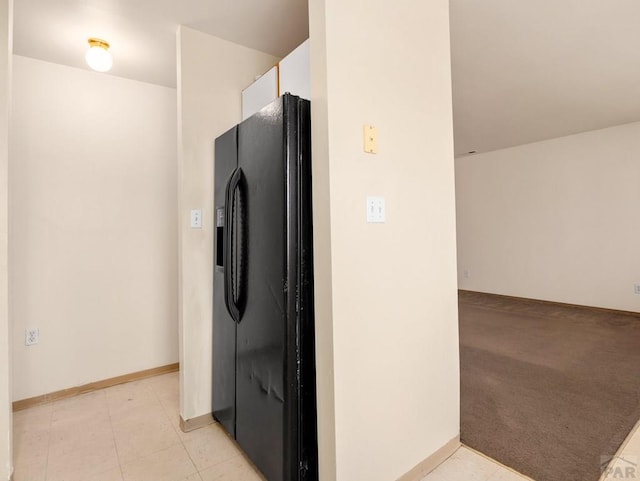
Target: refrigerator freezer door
x=260 y=389
x=275 y=382
x=224 y=327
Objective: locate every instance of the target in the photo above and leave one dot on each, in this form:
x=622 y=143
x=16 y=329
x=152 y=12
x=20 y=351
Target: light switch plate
x=370 y=139
x=31 y=336
x=375 y=210
x=196 y=219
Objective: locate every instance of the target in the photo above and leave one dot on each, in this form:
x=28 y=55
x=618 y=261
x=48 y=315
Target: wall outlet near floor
x=31 y=336
x=636 y=289
x=466 y=273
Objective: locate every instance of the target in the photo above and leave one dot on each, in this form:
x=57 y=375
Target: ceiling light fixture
x=98 y=56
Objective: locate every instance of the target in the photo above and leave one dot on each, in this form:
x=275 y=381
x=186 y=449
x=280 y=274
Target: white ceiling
x=522 y=71
x=525 y=71
x=142 y=33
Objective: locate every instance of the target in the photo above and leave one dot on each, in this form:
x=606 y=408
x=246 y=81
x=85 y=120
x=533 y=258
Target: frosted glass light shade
x=98 y=57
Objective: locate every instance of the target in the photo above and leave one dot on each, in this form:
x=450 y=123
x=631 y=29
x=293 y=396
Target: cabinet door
x=294 y=72
x=260 y=93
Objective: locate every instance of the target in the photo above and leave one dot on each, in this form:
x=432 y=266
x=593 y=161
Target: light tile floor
x=128 y=432
x=131 y=432
x=467 y=465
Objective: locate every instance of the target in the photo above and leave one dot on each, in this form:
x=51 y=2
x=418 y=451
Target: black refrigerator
x=264 y=389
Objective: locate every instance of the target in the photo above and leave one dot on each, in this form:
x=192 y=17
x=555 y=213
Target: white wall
x=554 y=220
x=6 y=12
x=94 y=222
x=211 y=76
x=386 y=294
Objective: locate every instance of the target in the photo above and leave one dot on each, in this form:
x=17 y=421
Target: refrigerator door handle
x=232 y=263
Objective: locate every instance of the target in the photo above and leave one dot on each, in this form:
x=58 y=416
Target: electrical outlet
x=636 y=289
x=466 y=273
x=31 y=336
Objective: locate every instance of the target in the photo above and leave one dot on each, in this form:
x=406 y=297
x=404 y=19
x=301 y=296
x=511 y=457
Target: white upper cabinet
x=290 y=75
x=295 y=76
x=260 y=93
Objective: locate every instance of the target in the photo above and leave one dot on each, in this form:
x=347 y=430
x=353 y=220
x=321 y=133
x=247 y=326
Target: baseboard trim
x=92 y=386
x=432 y=462
x=195 y=423
x=555 y=303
